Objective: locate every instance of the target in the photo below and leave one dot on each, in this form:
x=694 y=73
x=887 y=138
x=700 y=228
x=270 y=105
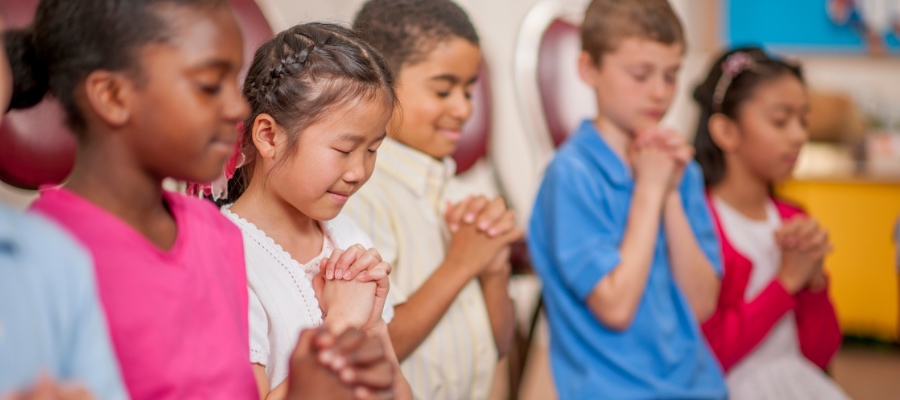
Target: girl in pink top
x=774 y=328
x=150 y=89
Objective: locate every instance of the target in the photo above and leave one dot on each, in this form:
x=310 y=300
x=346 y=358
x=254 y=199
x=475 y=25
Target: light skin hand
x=653 y=165
x=366 y=267
x=675 y=144
x=804 y=245
x=346 y=303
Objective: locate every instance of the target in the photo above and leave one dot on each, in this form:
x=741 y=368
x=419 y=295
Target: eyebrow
x=790 y=109
x=217 y=63
x=453 y=79
x=357 y=139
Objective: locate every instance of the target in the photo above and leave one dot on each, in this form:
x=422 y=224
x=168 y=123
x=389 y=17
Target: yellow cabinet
x=860 y=216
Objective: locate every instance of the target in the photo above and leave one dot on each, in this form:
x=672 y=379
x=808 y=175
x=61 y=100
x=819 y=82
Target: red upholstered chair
x=35 y=146
x=552 y=98
x=565 y=99
x=476 y=132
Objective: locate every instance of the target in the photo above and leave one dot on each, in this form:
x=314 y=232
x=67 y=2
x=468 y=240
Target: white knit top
x=282 y=299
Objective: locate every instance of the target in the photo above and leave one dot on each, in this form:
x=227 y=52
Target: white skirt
x=785 y=378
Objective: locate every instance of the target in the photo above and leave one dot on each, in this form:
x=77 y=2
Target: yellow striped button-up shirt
x=401 y=209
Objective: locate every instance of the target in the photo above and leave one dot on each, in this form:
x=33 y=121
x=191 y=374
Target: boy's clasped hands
x=659 y=156
x=481 y=232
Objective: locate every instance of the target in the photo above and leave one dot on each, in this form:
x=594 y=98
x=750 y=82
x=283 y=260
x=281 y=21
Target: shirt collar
x=422 y=174
x=588 y=140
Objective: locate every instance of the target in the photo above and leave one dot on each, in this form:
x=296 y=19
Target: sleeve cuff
x=585 y=281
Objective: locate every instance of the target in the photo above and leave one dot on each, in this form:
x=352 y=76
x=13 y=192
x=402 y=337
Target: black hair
x=729 y=100
x=302 y=74
x=405 y=31
x=70 y=39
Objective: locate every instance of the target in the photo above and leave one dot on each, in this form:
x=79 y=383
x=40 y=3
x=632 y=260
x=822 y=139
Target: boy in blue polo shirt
x=621 y=235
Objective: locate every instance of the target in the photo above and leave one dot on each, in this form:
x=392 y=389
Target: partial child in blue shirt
x=53 y=337
x=621 y=235
x=51 y=322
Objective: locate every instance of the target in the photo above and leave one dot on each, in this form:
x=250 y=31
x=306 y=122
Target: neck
x=617 y=138
x=273 y=215
x=744 y=192
x=107 y=175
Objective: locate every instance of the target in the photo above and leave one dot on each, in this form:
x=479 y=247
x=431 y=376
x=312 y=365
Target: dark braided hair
x=405 y=31
x=70 y=39
x=732 y=95
x=300 y=76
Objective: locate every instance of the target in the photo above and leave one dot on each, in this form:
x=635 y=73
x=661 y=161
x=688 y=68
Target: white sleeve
x=259 y=331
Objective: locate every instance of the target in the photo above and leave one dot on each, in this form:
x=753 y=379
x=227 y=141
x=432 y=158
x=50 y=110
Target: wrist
x=499 y=277
x=376 y=328
x=649 y=193
x=789 y=284
x=459 y=268
x=339 y=319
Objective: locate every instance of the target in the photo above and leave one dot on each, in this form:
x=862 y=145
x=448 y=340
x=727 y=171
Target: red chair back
x=565 y=98
x=474 y=142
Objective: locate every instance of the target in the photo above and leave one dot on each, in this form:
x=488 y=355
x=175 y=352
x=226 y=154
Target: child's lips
x=339 y=197
x=452 y=134
x=655 y=114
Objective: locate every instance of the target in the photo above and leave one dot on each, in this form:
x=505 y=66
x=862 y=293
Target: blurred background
x=530 y=97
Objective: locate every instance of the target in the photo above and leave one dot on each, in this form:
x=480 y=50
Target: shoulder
x=569 y=165
x=204 y=212
x=43 y=248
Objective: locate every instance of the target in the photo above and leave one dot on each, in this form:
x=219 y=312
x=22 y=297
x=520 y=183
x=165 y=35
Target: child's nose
x=659 y=88
x=460 y=106
x=356 y=172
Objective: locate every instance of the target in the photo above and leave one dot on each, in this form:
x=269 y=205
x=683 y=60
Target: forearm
x=262 y=383
x=615 y=299
x=495 y=289
x=415 y=319
x=692 y=270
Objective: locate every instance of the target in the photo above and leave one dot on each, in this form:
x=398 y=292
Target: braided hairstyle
x=300 y=76
x=405 y=31
x=731 y=97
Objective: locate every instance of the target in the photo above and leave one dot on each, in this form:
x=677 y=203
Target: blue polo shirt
x=51 y=321
x=576 y=228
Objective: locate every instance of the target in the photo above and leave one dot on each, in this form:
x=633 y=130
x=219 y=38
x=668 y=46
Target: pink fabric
x=178 y=318
x=737 y=326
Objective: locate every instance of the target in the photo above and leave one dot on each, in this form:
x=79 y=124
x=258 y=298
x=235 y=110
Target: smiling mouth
x=339 y=197
x=453 y=134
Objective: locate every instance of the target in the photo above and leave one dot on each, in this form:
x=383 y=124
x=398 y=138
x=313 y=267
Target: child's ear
x=107 y=95
x=266 y=135
x=587 y=68
x=724 y=132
